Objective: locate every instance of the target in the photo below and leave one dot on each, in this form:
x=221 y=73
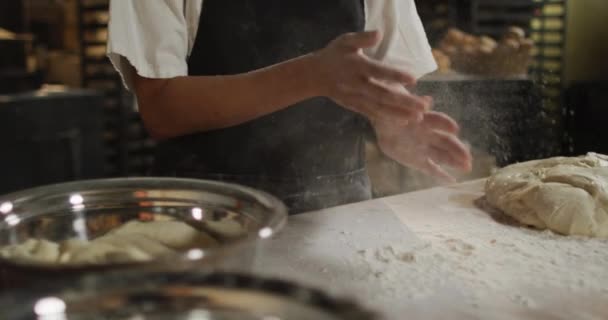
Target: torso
x=313 y=148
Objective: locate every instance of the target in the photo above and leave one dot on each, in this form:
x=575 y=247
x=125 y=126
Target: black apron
x=310 y=155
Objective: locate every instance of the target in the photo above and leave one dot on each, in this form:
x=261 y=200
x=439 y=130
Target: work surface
x=435 y=255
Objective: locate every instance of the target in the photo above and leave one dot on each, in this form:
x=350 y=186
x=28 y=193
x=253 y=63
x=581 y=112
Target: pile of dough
x=566 y=195
x=132 y=242
x=444 y=63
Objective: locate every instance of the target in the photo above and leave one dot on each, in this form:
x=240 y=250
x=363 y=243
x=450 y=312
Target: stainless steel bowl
x=179 y=296
x=238 y=217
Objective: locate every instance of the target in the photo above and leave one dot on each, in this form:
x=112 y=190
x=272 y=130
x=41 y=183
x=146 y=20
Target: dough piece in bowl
x=101 y=252
x=176 y=235
x=68 y=247
x=228 y=227
x=566 y=195
x=143 y=243
x=133 y=242
x=33 y=250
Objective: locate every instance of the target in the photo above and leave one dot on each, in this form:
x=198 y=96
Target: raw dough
x=100 y=252
x=34 y=250
x=173 y=234
x=69 y=247
x=150 y=246
x=227 y=227
x=132 y=242
x=566 y=195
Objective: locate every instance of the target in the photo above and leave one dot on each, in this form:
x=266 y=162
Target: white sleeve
x=148 y=37
x=404 y=44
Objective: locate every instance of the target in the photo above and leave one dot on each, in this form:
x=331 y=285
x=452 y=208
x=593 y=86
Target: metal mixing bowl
x=178 y=296
x=238 y=217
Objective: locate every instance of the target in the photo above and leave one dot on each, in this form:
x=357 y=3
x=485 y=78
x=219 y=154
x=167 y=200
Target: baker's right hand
x=348 y=77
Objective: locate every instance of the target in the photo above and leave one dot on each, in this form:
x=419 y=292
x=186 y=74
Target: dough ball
x=470 y=40
x=515 y=33
x=454 y=37
x=443 y=61
x=469 y=49
x=488 y=42
x=511 y=45
x=526 y=46
x=566 y=195
x=450 y=50
x=486 y=50
x=172 y=234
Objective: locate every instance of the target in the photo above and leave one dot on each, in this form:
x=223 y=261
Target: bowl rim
x=275 y=224
x=341 y=307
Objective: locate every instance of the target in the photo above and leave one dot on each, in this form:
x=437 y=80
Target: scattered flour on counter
x=395 y=267
x=449 y=263
x=481 y=265
x=388 y=254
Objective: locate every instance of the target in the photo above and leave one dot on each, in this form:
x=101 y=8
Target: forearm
x=185 y=105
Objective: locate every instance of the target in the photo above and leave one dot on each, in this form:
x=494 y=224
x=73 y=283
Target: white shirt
x=155 y=37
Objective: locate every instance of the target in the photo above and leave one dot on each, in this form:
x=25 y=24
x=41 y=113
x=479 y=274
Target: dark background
x=85 y=124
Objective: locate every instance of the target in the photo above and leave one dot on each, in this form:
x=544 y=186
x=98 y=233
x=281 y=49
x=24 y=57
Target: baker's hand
x=360 y=84
x=426 y=146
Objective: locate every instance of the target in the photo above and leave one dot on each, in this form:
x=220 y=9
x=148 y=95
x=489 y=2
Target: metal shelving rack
x=543 y=20
x=129 y=149
x=488 y=17
x=548 y=29
x=492 y=17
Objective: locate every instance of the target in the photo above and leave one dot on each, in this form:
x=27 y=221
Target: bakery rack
x=548 y=30
x=543 y=20
x=129 y=149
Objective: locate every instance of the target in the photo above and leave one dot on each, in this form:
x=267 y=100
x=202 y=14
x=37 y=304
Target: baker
x=279 y=95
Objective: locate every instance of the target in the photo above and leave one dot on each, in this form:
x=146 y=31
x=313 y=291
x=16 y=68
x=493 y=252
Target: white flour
x=494 y=263
x=540 y=260
x=460 y=264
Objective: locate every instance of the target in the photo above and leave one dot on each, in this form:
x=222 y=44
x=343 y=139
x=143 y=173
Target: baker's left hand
x=426 y=145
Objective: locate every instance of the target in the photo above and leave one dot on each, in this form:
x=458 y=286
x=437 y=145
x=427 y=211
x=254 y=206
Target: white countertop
x=434 y=255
